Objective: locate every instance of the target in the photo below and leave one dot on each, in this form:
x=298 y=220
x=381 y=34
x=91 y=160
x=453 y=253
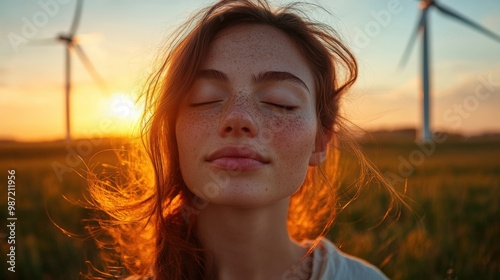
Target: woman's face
x=246 y=131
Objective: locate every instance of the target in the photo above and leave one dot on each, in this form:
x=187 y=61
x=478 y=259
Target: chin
x=245 y=195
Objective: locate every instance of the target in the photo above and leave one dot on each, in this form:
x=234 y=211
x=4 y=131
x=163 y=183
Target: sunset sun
x=124 y=112
x=123 y=106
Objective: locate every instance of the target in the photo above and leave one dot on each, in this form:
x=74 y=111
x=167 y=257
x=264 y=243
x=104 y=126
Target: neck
x=248 y=243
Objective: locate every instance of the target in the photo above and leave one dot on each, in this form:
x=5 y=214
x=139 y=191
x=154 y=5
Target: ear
x=318 y=156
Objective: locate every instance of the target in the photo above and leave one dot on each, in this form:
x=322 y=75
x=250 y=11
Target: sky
x=122 y=37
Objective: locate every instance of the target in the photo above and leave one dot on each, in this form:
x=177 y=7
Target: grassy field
x=451 y=232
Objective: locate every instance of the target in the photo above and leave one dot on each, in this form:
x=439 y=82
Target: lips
x=237 y=158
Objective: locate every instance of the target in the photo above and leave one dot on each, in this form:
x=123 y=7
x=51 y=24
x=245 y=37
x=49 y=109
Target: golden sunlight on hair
x=150 y=214
x=123 y=195
x=124 y=112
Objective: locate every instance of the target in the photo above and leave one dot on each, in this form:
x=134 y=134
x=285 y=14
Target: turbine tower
x=422 y=28
x=72 y=44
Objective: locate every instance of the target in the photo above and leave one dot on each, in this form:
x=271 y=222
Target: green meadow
x=449 y=231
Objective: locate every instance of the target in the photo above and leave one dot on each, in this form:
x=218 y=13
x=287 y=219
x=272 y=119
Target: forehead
x=255 y=48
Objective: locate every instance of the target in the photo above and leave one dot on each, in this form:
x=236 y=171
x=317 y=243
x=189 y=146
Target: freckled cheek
x=294 y=141
x=293 y=144
x=192 y=131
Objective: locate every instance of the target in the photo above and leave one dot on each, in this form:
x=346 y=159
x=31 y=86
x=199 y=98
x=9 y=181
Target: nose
x=238 y=121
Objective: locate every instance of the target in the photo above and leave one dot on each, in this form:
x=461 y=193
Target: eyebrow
x=212 y=74
x=277 y=76
x=269 y=76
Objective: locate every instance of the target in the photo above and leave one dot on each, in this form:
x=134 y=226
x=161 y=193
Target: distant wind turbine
x=422 y=28
x=72 y=44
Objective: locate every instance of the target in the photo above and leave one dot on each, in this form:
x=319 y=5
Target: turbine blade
x=411 y=42
x=467 y=21
x=43 y=42
x=76 y=17
x=87 y=38
x=90 y=68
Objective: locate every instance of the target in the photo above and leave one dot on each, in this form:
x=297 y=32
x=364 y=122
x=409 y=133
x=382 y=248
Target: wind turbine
x=72 y=44
x=422 y=28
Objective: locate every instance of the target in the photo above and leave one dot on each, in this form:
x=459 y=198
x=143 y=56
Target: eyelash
x=204 y=103
x=286 y=107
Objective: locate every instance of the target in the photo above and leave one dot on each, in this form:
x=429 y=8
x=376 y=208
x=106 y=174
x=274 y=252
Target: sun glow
x=125 y=111
x=123 y=106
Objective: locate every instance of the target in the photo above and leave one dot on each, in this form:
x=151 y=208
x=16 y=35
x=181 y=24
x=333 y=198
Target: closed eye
x=286 y=107
x=204 y=103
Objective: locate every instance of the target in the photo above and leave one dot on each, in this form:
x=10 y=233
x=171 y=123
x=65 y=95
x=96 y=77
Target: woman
x=241 y=120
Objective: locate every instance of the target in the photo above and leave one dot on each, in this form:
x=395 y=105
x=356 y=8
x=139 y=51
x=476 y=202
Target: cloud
x=492 y=20
x=468 y=84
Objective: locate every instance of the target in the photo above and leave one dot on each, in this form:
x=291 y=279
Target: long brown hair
x=150 y=212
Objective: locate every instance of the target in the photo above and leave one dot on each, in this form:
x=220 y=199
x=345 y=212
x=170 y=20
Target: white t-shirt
x=328 y=263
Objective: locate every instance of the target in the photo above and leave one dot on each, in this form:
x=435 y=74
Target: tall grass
x=45 y=201
x=451 y=232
